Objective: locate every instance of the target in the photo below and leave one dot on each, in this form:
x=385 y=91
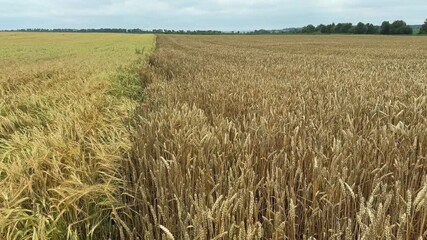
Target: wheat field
x=64 y=106
x=214 y=137
x=280 y=137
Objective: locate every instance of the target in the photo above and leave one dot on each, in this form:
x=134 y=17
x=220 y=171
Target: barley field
x=280 y=137
x=64 y=104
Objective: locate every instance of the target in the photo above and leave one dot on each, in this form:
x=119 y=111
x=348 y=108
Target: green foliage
x=385 y=27
x=348 y=28
x=397 y=27
x=320 y=28
x=330 y=28
x=400 y=27
x=308 y=29
x=140 y=50
x=360 y=28
x=371 y=29
x=343 y=28
x=423 y=29
x=126 y=84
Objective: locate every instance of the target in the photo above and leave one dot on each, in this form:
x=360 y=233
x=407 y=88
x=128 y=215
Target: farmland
x=212 y=137
x=281 y=137
x=63 y=103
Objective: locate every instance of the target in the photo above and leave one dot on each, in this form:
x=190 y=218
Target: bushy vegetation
x=423 y=29
x=397 y=27
x=64 y=103
x=281 y=137
x=346 y=28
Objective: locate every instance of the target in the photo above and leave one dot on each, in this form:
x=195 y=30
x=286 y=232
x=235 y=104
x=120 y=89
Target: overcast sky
x=203 y=14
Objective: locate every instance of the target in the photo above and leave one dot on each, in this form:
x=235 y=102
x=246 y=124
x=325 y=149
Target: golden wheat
x=281 y=137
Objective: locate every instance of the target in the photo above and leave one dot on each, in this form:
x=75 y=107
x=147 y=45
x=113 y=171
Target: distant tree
x=327 y=28
x=331 y=28
x=261 y=31
x=371 y=29
x=343 y=28
x=385 y=27
x=400 y=27
x=338 y=28
x=308 y=29
x=360 y=28
x=321 y=28
x=423 y=29
x=346 y=28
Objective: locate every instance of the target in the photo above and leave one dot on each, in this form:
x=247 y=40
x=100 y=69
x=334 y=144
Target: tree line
x=423 y=29
x=396 y=28
x=116 y=30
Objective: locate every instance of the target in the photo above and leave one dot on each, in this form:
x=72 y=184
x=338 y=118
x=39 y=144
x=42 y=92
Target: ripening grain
x=281 y=137
x=63 y=101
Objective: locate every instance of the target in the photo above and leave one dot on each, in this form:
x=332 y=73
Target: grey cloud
x=208 y=14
